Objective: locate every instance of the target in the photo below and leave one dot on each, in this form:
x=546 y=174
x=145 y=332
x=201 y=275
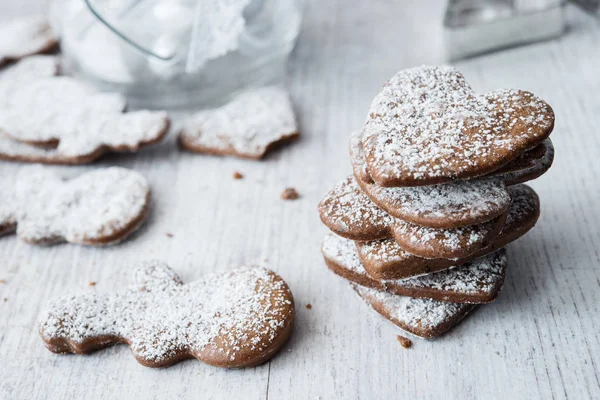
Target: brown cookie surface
x=449 y=205
x=249 y=126
x=99 y=208
x=527 y=159
x=424 y=318
x=427 y=126
x=447 y=243
x=25 y=36
x=61 y=120
x=235 y=319
x=475 y=282
x=385 y=259
x=348 y=212
x=529 y=165
x=532 y=170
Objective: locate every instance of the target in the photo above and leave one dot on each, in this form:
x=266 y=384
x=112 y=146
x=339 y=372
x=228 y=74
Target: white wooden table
x=538 y=340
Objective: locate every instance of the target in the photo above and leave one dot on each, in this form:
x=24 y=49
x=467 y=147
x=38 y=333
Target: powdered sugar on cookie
x=83 y=122
x=234 y=319
x=249 y=126
x=343 y=252
x=14 y=77
x=385 y=251
x=101 y=207
x=448 y=205
x=428 y=126
x=446 y=243
x=386 y=259
x=445 y=205
x=347 y=211
x=25 y=36
x=481 y=278
x=425 y=318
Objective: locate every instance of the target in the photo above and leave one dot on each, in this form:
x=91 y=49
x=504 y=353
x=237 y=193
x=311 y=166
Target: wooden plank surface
x=539 y=340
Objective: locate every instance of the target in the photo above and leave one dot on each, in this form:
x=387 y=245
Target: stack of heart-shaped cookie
x=436 y=194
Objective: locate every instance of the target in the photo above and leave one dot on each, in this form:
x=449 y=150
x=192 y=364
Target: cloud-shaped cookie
x=236 y=319
x=98 y=208
x=24 y=37
x=62 y=120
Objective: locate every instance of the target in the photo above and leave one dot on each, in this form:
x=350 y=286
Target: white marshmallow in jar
x=177 y=54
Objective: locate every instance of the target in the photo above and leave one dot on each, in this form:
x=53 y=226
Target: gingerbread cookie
x=20 y=74
x=527 y=166
x=526 y=160
x=475 y=282
x=385 y=259
x=424 y=318
x=530 y=171
x=447 y=243
x=24 y=37
x=61 y=120
x=235 y=319
x=249 y=126
x=427 y=126
x=449 y=205
x=348 y=212
x=99 y=208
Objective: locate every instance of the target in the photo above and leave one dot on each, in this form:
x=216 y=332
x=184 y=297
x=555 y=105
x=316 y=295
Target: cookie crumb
x=2 y=281
x=5 y=299
x=238 y=175
x=309 y=306
x=92 y=283
x=169 y=234
x=290 y=194
x=405 y=342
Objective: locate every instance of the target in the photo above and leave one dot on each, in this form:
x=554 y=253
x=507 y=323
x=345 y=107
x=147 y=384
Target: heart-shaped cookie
x=530 y=171
x=385 y=259
x=348 y=212
x=235 y=319
x=455 y=204
x=474 y=282
x=99 y=208
x=424 y=318
x=427 y=126
x=453 y=243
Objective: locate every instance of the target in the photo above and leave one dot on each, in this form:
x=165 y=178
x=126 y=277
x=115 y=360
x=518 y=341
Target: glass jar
x=177 y=53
